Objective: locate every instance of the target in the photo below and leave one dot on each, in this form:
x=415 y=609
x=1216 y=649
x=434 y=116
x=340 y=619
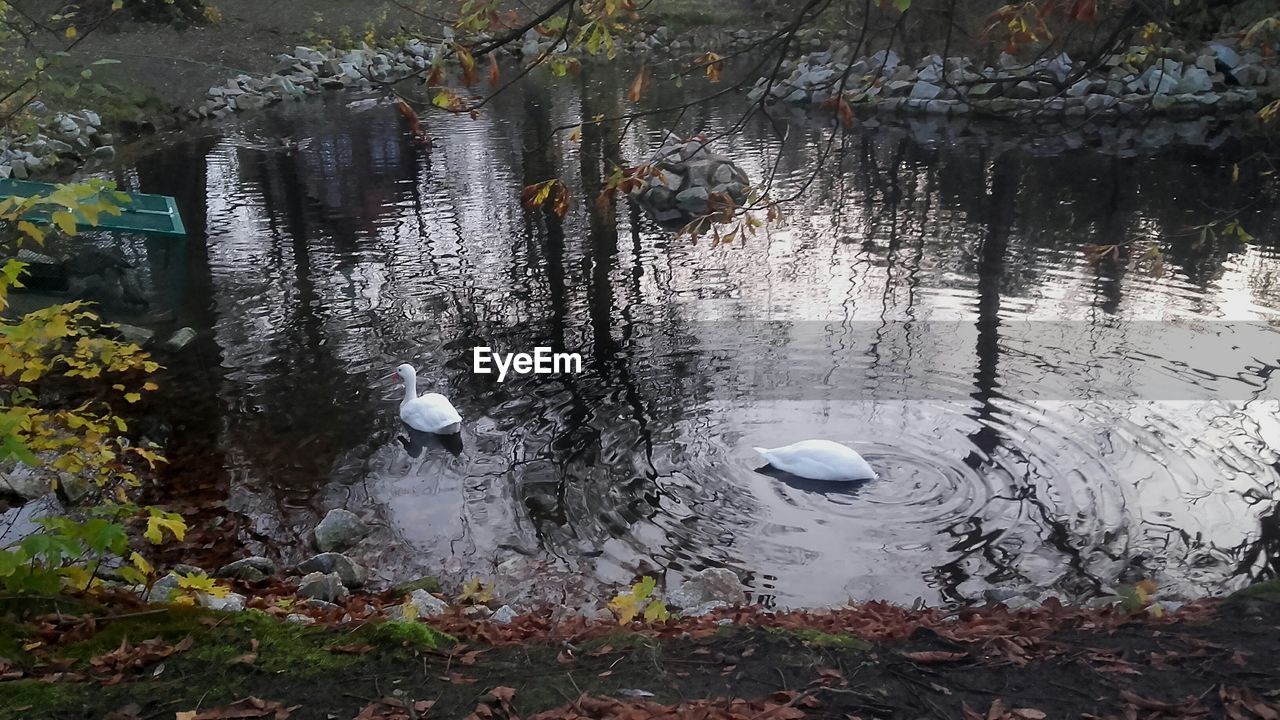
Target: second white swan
x=819 y=460
x=431 y=413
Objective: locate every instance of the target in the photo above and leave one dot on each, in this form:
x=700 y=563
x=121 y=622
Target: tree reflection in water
x=1037 y=418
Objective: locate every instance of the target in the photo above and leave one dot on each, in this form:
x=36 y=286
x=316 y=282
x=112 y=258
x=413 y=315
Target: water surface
x=1039 y=419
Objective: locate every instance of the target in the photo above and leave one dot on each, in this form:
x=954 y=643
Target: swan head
x=405 y=373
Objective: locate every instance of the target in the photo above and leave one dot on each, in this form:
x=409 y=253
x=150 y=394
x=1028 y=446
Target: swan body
x=431 y=412
x=819 y=460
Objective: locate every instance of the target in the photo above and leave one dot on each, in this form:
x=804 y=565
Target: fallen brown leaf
x=935 y=657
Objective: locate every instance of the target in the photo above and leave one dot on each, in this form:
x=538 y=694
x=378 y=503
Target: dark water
x=1037 y=419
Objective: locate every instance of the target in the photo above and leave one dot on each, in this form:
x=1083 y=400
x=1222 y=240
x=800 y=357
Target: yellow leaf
x=31 y=231
x=141 y=563
x=71 y=32
x=164 y=521
x=150 y=386
x=655 y=612
x=65 y=221
x=133 y=397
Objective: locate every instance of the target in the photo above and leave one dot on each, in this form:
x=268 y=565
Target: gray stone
x=180 y=339
x=504 y=615
x=91 y=117
x=250 y=102
x=18 y=168
x=23 y=481
x=693 y=199
x=232 y=602
x=897 y=88
x=1080 y=88
x=1225 y=55
x=704 y=586
x=798 y=97
x=1157 y=81
x=1098 y=103
x=339 y=530
x=1248 y=75
x=74 y=488
x=307 y=54
x=106 y=152
x=999 y=594
x=320 y=604
x=1207 y=63
x=68 y=126
x=1030 y=90
x=886 y=58
x=705 y=608
x=930 y=74
x=984 y=91
x=162 y=590
x=251 y=569
x=299 y=619
x=1194 y=80
x=925 y=91
x=903 y=73
x=353 y=574
x=1060 y=66
x=322 y=586
x=425 y=604
x=660 y=198
x=477 y=612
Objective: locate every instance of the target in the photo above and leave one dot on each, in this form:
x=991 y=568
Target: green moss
x=18 y=698
x=221 y=637
x=817 y=638
x=1266 y=590
x=428 y=583
x=402 y=632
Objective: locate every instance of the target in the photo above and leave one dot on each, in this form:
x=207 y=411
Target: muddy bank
x=872 y=661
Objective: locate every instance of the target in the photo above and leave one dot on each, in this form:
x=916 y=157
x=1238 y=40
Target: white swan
x=819 y=460
x=431 y=413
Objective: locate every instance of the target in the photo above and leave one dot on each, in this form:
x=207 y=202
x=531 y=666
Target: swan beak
x=395 y=376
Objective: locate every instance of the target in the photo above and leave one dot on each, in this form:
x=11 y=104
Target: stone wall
x=1220 y=77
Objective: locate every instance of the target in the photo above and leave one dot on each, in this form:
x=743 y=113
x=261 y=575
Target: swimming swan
x=431 y=413
x=819 y=460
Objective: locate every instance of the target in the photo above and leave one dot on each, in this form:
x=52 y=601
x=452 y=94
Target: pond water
x=1039 y=418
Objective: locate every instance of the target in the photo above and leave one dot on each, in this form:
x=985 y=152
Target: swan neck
x=410 y=388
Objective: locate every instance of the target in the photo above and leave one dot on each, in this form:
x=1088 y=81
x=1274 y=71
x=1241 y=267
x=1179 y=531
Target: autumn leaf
x=435 y=77
x=560 y=200
x=495 y=73
x=844 y=113
x=712 y=63
x=159 y=521
x=935 y=657
x=65 y=221
x=468 y=64
x=639 y=84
